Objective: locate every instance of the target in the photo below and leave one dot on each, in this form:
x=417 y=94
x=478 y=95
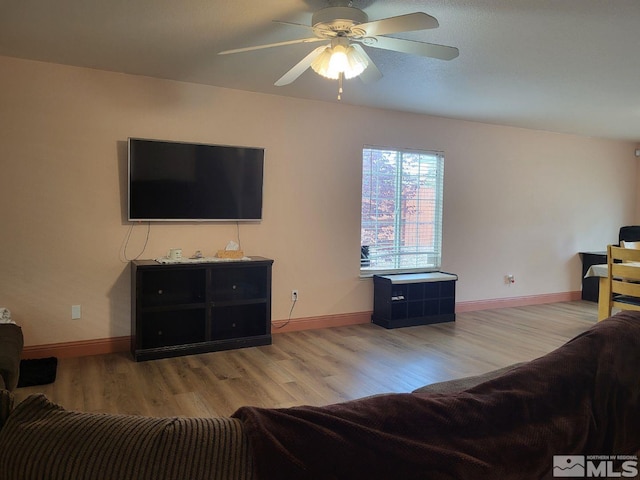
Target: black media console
x=187 y=308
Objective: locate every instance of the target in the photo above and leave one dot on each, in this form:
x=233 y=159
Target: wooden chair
x=623 y=278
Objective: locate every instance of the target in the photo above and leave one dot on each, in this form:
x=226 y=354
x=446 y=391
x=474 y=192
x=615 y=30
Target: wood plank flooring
x=315 y=367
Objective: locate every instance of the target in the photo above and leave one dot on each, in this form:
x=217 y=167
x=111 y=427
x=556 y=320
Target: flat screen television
x=176 y=181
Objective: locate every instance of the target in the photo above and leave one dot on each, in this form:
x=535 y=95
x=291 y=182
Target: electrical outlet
x=75 y=312
x=509 y=279
x=294 y=295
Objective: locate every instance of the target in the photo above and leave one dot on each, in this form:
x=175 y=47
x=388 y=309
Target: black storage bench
x=405 y=300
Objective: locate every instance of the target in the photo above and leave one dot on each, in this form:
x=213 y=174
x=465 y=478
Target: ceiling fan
x=348 y=29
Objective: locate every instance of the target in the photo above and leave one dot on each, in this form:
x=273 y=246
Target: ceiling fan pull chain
x=340 y=77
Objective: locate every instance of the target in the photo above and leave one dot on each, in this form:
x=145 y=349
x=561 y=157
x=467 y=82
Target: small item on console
x=175 y=253
x=232 y=250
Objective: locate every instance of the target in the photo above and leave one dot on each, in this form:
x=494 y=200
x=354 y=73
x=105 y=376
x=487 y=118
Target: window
x=401 y=223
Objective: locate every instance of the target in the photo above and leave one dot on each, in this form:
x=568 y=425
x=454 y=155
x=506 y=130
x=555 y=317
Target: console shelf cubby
x=187 y=308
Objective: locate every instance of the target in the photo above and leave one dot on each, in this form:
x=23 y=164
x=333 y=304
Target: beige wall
x=516 y=201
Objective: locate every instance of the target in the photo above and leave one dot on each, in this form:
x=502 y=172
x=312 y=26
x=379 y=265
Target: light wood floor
x=316 y=367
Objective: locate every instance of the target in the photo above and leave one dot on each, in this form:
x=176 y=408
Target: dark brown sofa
x=581 y=399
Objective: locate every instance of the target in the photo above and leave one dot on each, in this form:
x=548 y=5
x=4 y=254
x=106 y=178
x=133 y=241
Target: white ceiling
x=560 y=65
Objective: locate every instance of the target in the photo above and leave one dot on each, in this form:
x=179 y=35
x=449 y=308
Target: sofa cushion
x=42 y=440
x=461 y=384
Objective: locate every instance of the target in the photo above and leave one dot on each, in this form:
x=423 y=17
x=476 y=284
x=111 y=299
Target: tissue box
x=230 y=254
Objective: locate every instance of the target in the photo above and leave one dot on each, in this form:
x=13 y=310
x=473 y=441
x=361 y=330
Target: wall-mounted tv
x=176 y=181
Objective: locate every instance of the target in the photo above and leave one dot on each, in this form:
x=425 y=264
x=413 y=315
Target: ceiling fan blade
x=293 y=24
x=401 y=23
x=423 y=49
x=299 y=68
x=270 y=45
x=371 y=73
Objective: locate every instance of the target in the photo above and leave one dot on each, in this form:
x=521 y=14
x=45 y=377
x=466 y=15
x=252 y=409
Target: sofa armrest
x=6 y=406
x=11 y=345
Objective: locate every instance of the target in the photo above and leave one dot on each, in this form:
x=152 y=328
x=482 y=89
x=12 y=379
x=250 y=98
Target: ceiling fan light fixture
x=338 y=61
x=339 y=58
x=357 y=63
x=321 y=64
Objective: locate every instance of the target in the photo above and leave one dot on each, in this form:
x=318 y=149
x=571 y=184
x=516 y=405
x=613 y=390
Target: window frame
x=436 y=184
